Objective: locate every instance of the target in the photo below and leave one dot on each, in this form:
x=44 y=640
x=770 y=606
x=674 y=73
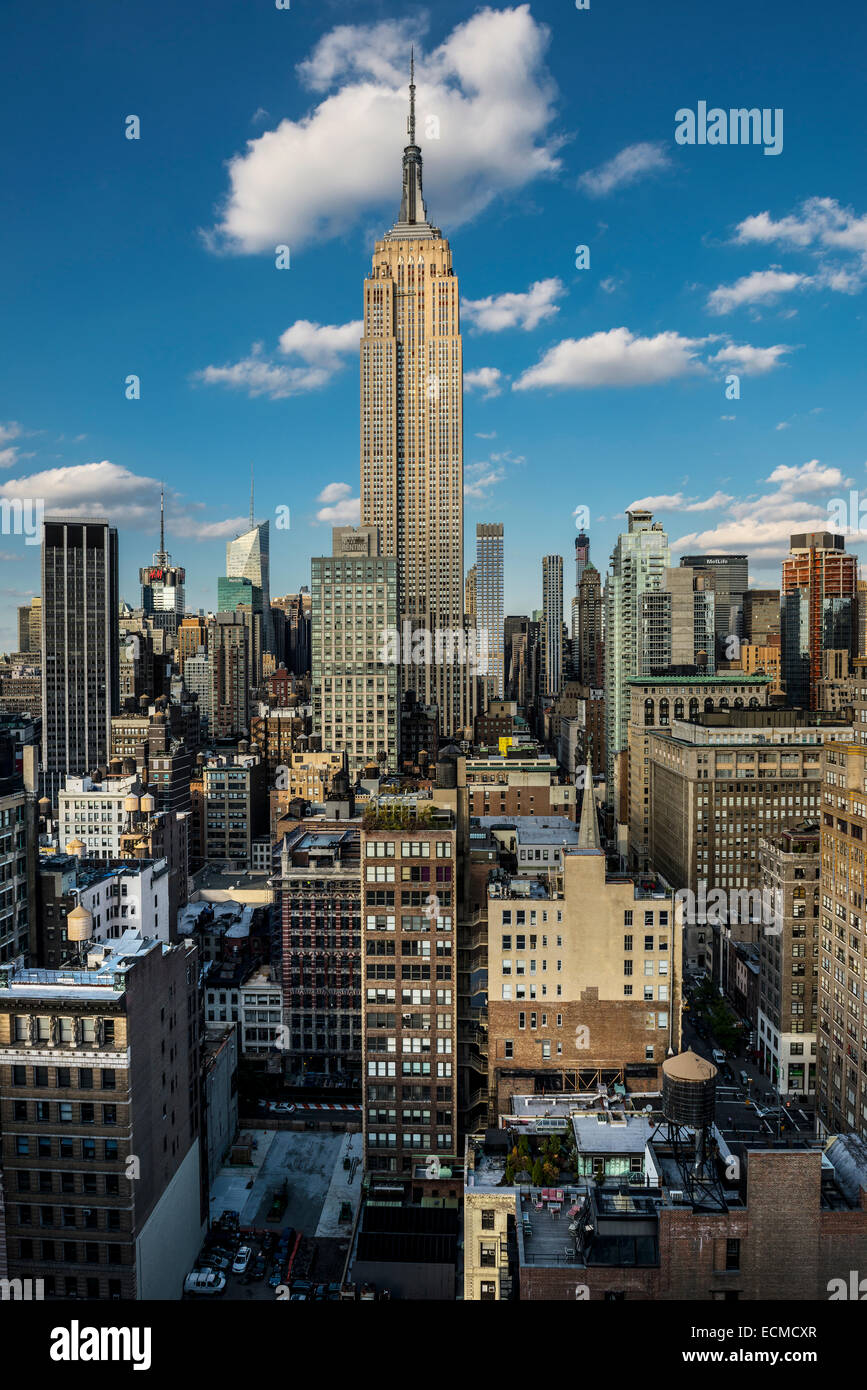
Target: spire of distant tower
x=410 y=125
x=162 y=520
x=252 y=522
x=412 y=209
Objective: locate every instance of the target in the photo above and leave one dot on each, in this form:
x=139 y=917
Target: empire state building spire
x=412 y=208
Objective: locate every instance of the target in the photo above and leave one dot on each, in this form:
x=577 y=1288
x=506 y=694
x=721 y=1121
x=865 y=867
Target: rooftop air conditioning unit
x=677 y=1195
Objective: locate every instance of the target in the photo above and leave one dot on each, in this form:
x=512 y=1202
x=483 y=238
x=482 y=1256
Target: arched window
x=723 y=704
x=678 y=709
x=738 y=704
x=663 y=711
x=693 y=707
x=648 y=712
x=708 y=705
x=754 y=704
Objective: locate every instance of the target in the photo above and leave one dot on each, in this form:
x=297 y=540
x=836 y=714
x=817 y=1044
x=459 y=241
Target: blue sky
x=595 y=387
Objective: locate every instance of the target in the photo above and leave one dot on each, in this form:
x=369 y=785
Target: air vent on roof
x=677 y=1195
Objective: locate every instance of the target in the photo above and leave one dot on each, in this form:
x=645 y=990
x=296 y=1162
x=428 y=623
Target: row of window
x=62 y=1111
x=44 y=1146
x=63 y=1077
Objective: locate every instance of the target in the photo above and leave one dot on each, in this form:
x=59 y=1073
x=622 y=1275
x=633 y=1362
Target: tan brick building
x=584 y=973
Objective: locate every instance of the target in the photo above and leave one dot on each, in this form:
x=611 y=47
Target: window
x=487 y=1293
x=489 y=1217
x=627 y=944
x=733 y=1254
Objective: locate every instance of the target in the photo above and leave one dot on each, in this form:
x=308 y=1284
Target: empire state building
x=412 y=432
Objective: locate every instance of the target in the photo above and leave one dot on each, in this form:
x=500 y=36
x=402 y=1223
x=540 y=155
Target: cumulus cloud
x=488 y=380
x=613 y=358
x=761 y=287
x=825 y=229
x=341 y=509
x=480 y=478
x=320 y=350
x=807 y=477
x=631 y=164
x=764 y=524
x=485 y=108
x=677 y=502
x=9 y=452
x=514 y=310
x=750 y=360
x=103 y=488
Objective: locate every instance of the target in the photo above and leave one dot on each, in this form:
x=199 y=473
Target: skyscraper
x=818 y=611
x=590 y=650
x=355 y=689
x=80 y=680
x=677 y=625
x=582 y=558
x=412 y=428
x=162 y=583
x=729 y=575
x=552 y=624
x=637 y=564
x=489 y=603
x=248 y=557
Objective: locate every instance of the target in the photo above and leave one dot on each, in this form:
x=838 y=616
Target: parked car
x=275 y=1278
x=241 y=1260
x=205 y=1281
x=215 y=1259
x=302 y=1286
x=745 y=1079
x=718 y=1056
x=282 y=1107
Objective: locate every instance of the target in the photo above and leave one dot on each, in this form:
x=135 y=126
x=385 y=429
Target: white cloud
x=764 y=525
x=825 y=228
x=343 y=509
x=807 y=477
x=486 y=84
x=321 y=349
x=514 y=310
x=486 y=434
x=631 y=164
x=103 y=488
x=609 y=284
x=677 y=502
x=479 y=478
x=9 y=453
x=761 y=287
x=334 y=492
x=748 y=359
x=613 y=358
x=488 y=380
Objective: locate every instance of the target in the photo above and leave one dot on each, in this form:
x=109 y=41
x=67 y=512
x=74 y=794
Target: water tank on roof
x=689 y=1090
x=147 y=803
x=79 y=924
x=447 y=766
x=130 y=803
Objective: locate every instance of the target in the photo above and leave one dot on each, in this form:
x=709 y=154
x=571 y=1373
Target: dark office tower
x=730 y=581
x=818 y=611
x=582 y=558
x=80 y=681
x=761 y=616
x=552 y=624
x=590 y=628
